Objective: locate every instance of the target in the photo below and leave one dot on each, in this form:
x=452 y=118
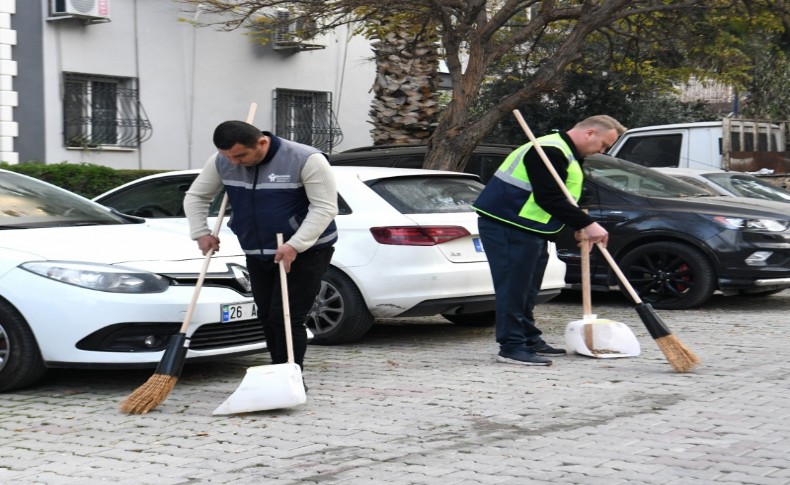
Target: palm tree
x=405 y=104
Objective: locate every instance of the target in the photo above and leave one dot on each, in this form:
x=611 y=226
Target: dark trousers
x=517 y=260
x=304 y=282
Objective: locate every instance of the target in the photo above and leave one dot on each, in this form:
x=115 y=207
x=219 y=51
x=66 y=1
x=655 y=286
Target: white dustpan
x=266 y=387
x=597 y=337
x=601 y=338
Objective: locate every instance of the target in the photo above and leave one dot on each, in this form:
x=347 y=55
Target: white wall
x=8 y=97
x=191 y=79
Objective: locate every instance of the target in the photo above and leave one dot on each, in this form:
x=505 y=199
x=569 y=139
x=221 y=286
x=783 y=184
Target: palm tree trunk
x=405 y=104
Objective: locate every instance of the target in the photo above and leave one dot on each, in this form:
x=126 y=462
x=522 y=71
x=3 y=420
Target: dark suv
x=676 y=243
x=483 y=163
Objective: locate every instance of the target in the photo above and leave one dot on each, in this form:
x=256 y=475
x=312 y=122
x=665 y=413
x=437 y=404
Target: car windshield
x=635 y=179
x=748 y=186
x=428 y=194
x=27 y=202
x=157 y=197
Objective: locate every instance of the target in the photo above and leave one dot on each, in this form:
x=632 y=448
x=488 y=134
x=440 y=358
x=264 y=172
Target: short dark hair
x=229 y=133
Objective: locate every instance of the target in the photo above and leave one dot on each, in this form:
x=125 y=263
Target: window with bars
x=307 y=117
x=103 y=111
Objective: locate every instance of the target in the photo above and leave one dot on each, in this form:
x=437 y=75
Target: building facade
x=133 y=84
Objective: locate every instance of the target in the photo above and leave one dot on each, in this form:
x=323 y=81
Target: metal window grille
x=307 y=117
x=103 y=111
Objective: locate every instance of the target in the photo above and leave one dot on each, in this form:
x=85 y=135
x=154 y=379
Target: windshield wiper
x=87 y=223
x=18 y=226
x=127 y=217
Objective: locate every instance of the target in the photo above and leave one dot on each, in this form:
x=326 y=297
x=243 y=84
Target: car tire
x=339 y=314
x=669 y=275
x=481 y=319
x=21 y=364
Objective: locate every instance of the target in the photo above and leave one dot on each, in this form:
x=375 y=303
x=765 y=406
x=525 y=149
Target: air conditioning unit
x=295 y=34
x=90 y=10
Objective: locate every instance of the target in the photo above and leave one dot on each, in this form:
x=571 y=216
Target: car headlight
x=770 y=225
x=100 y=277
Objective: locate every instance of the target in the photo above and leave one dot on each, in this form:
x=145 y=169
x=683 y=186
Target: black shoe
x=546 y=349
x=522 y=358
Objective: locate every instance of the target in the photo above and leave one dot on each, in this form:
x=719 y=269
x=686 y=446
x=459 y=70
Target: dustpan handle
x=286 y=306
x=585 y=262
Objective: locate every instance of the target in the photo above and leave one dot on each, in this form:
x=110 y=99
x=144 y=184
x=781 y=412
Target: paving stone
x=422 y=401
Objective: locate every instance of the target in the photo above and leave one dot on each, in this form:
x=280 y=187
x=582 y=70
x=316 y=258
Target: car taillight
x=417 y=236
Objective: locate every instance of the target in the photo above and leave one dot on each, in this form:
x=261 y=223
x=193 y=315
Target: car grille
x=223 y=335
x=237 y=278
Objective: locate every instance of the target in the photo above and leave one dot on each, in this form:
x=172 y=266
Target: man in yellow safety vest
x=521 y=209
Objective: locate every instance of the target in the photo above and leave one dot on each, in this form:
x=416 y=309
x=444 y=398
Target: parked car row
x=408 y=246
x=83 y=285
x=104 y=283
x=677 y=243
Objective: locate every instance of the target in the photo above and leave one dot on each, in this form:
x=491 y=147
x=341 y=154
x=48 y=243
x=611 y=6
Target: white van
x=730 y=144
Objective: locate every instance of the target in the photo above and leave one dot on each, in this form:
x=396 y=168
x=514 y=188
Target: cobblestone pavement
x=425 y=403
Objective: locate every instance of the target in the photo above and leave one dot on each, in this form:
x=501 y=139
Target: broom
x=677 y=354
x=156 y=389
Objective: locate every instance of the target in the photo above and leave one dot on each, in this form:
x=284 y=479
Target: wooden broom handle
x=567 y=193
x=544 y=157
x=215 y=233
x=626 y=284
x=585 y=243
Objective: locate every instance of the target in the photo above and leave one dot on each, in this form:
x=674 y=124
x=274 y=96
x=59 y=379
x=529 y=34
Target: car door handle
x=567 y=254
x=612 y=217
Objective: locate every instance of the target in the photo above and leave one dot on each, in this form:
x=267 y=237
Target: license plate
x=238 y=311
x=478 y=245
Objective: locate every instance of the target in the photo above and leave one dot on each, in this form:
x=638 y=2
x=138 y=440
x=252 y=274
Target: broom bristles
x=678 y=355
x=149 y=395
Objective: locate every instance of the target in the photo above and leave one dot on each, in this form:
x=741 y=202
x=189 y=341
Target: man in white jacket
x=274 y=186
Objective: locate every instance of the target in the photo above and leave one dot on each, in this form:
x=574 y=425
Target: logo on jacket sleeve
x=273 y=177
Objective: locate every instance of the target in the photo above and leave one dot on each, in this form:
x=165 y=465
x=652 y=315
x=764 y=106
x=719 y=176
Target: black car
x=484 y=161
x=676 y=243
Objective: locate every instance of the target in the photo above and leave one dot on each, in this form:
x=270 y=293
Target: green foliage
x=558 y=61
x=85 y=179
x=632 y=68
x=632 y=101
x=769 y=97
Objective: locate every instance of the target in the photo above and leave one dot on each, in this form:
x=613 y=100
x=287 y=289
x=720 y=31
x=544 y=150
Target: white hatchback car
x=408 y=246
x=84 y=286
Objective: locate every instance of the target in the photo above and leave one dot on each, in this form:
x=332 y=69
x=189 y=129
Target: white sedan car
x=408 y=246
x=84 y=286
x=733 y=184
